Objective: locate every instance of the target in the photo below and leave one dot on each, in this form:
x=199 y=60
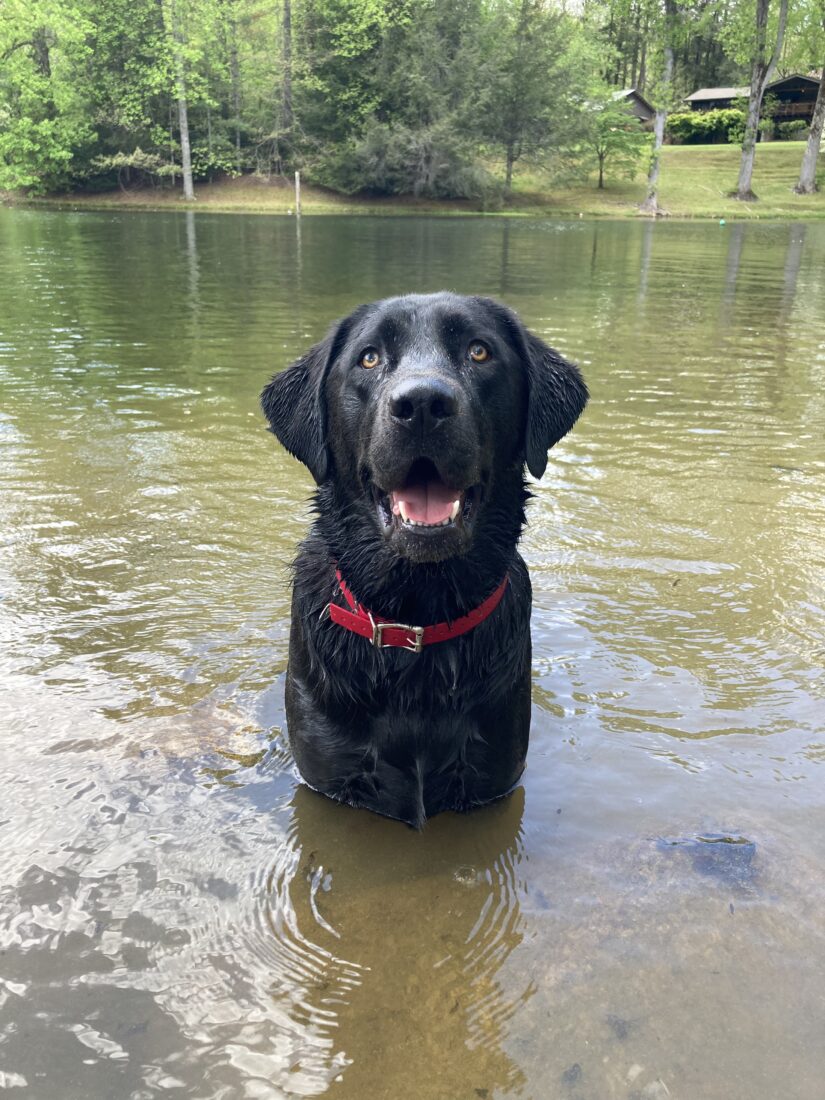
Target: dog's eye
x=478 y=352
x=370 y=358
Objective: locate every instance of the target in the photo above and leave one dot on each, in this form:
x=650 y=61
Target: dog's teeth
x=419 y=523
x=454 y=510
x=402 y=508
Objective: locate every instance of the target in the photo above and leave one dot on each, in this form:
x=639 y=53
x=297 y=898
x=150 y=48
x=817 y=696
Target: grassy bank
x=695 y=182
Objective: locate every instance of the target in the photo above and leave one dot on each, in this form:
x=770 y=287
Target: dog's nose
x=423 y=402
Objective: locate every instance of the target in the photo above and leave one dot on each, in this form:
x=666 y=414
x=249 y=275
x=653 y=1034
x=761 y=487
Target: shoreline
x=695 y=182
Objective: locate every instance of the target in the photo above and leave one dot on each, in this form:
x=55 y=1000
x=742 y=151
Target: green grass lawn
x=695 y=183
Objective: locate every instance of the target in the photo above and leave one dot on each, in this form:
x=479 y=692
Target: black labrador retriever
x=408 y=686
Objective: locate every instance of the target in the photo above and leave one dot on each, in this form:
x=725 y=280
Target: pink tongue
x=431 y=502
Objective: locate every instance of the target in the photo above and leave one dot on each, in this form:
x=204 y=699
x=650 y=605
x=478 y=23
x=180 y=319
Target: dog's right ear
x=294 y=405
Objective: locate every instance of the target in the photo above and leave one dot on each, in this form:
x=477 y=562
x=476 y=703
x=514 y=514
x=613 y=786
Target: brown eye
x=478 y=352
x=370 y=359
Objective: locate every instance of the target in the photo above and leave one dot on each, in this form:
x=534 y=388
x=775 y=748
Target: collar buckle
x=414 y=644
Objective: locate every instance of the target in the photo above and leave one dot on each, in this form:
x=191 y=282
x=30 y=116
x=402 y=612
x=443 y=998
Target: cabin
x=638 y=105
x=794 y=97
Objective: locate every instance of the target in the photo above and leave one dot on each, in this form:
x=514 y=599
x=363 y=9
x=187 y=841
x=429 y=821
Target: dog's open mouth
x=424 y=503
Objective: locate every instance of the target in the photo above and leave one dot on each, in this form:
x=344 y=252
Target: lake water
x=645 y=916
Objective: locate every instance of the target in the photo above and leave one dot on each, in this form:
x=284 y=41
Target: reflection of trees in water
x=793 y=263
x=736 y=239
x=770 y=302
x=193 y=271
x=644 y=263
x=768 y=299
x=392 y=942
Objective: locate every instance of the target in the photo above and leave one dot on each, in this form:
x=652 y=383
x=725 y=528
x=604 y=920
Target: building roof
x=704 y=94
x=811 y=78
x=716 y=93
x=625 y=93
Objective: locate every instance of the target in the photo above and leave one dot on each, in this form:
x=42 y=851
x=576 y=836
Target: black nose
x=423 y=402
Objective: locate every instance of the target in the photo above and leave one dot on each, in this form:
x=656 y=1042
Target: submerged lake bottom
x=643 y=916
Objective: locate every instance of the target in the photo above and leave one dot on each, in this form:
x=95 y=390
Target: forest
x=441 y=98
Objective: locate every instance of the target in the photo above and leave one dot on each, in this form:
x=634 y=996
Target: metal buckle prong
x=413 y=646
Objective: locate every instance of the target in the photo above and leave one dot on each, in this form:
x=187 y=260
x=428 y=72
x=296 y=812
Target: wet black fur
x=408 y=735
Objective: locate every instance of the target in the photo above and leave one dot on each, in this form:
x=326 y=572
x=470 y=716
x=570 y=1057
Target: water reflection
x=418 y=988
x=736 y=240
x=192 y=264
x=644 y=265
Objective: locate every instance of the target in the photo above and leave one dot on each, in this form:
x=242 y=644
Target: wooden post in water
x=298 y=194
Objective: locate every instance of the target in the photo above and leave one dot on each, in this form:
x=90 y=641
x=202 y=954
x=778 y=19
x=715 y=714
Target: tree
x=231 y=39
x=663 y=95
x=175 y=31
x=762 y=67
x=388 y=96
x=806 y=184
x=813 y=37
x=44 y=110
x=613 y=134
x=628 y=33
x=532 y=85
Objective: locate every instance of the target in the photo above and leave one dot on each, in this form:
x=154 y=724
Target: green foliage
x=532 y=82
x=726 y=124
x=137 y=167
x=613 y=135
x=791 y=131
x=45 y=120
x=396 y=118
x=438 y=98
x=431 y=161
x=629 y=37
x=215 y=159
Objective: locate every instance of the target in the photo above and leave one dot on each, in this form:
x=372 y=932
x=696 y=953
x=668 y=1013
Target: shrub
x=791 y=131
x=220 y=159
x=125 y=168
x=725 y=124
x=428 y=161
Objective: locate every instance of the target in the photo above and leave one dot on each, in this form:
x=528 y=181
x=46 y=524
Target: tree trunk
x=743 y=187
x=807 y=176
x=40 y=48
x=508 y=177
x=183 y=109
x=287 y=64
x=761 y=72
x=601 y=171
x=172 y=140
x=640 y=86
x=42 y=59
x=651 y=202
x=235 y=81
x=185 y=149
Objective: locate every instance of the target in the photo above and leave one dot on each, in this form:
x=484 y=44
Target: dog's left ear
x=556 y=396
x=294 y=405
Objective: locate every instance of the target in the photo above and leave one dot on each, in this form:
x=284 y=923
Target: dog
x=408 y=678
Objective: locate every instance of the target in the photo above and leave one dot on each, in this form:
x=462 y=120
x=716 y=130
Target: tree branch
x=16 y=46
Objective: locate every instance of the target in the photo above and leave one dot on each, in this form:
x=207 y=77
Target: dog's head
x=421 y=411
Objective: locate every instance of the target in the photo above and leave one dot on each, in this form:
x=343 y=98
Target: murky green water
x=177 y=915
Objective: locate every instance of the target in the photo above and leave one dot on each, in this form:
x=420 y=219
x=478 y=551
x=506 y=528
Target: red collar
x=383 y=633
